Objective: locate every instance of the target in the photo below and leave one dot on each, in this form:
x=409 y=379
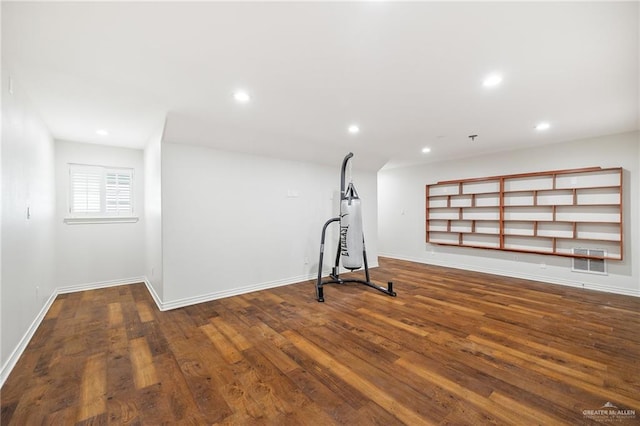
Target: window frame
x=103 y=215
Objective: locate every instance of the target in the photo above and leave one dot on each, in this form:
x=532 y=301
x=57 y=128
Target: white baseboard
x=163 y=306
x=26 y=338
x=156 y=298
x=22 y=345
x=515 y=274
x=187 y=301
x=100 y=284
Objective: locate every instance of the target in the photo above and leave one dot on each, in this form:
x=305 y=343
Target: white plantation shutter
x=99 y=191
x=85 y=191
x=118 y=192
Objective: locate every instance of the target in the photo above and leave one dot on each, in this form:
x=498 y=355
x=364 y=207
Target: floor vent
x=590 y=264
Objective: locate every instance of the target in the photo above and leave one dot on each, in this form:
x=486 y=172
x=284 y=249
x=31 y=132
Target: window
x=99 y=192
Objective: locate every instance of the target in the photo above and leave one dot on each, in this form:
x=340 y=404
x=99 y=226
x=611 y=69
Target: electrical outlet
x=306 y=260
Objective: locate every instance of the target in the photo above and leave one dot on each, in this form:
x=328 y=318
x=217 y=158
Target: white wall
x=92 y=254
x=27 y=243
x=229 y=224
x=153 y=213
x=403 y=191
x=2 y=94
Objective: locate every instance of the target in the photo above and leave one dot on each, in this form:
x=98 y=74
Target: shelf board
x=579 y=205
x=608 y=257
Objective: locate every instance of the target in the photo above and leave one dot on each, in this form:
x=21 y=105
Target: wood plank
x=379 y=396
x=236 y=338
x=549 y=367
x=55 y=309
x=115 y=315
x=455 y=347
x=546 y=349
x=144 y=371
x=144 y=311
x=226 y=348
x=94 y=387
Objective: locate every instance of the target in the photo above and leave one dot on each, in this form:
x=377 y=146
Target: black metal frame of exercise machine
x=335 y=275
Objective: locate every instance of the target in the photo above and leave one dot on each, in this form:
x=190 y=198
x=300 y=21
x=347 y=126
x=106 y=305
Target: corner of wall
x=154 y=270
x=267 y=220
x=402 y=203
x=13 y=358
x=27 y=220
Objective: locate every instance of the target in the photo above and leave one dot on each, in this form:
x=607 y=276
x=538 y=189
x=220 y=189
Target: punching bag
x=351 y=240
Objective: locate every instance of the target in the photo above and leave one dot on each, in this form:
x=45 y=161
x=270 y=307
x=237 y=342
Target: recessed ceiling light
x=426 y=150
x=102 y=132
x=542 y=126
x=492 y=80
x=241 y=96
x=354 y=129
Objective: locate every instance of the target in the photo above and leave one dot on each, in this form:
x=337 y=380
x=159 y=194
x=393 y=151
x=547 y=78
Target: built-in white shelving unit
x=551 y=212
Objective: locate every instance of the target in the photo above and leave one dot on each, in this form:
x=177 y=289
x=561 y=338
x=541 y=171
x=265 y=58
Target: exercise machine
x=351 y=247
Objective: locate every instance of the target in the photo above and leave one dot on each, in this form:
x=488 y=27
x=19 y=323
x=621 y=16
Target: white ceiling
x=410 y=74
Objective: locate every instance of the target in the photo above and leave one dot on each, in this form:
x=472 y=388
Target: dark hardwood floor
x=454 y=347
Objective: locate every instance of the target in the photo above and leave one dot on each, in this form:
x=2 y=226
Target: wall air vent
x=592 y=263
